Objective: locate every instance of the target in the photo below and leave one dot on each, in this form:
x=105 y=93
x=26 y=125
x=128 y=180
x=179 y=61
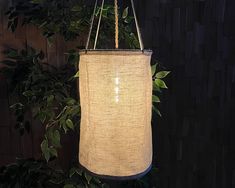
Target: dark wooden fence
x=194 y=142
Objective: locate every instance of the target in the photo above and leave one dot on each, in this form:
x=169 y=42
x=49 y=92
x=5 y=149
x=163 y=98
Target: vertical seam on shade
x=146 y=103
x=88 y=109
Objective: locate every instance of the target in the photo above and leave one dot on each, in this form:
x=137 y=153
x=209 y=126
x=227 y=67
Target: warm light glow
x=117 y=99
x=117 y=81
x=116 y=89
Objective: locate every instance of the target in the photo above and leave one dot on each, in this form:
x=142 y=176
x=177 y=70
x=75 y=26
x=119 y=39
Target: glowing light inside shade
x=116 y=89
x=117 y=81
x=117 y=99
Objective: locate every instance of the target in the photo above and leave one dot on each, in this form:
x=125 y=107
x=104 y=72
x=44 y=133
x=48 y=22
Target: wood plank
x=34 y=38
x=4 y=111
x=4 y=140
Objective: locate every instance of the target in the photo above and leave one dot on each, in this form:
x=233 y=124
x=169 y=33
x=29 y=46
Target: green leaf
x=128 y=20
x=69 y=186
x=65 y=128
x=125 y=13
x=28 y=93
x=70 y=101
x=69 y=123
x=96 y=180
x=88 y=178
x=44 y=145
x=41 y=116
x=17 y=106
x=156 y=88
x=75 y=170
x=76 y=8
x=155 y=99
x=157 y=111
x=153 y=68
x=50 y=40
x=76 y=75
x=72 y=172
x=50 y=114
x=55 y=139
x=12 y=53
x=160 y=83
x=50 y=98
x=162 y=74
x=53 y=152
x=45 y=149
x=43 y=24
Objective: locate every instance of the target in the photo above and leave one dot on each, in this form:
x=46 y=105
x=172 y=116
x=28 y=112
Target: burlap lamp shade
x=116 y=101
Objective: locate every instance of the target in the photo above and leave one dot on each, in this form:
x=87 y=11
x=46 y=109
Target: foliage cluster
x=48 y=93
x=71 y=19
x=30 y=173
x=37 y=174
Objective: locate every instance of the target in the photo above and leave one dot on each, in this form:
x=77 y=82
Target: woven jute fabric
x=116 y=101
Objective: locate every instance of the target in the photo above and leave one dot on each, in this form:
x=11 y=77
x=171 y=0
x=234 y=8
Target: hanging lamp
x=116 y=104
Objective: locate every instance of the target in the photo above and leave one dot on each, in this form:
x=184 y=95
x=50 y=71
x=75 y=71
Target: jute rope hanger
x=116 y=25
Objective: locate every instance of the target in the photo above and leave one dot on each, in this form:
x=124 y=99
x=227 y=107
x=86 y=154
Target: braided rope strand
x=116 y=23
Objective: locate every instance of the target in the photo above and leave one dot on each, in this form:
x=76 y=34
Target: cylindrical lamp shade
x=116 y=101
